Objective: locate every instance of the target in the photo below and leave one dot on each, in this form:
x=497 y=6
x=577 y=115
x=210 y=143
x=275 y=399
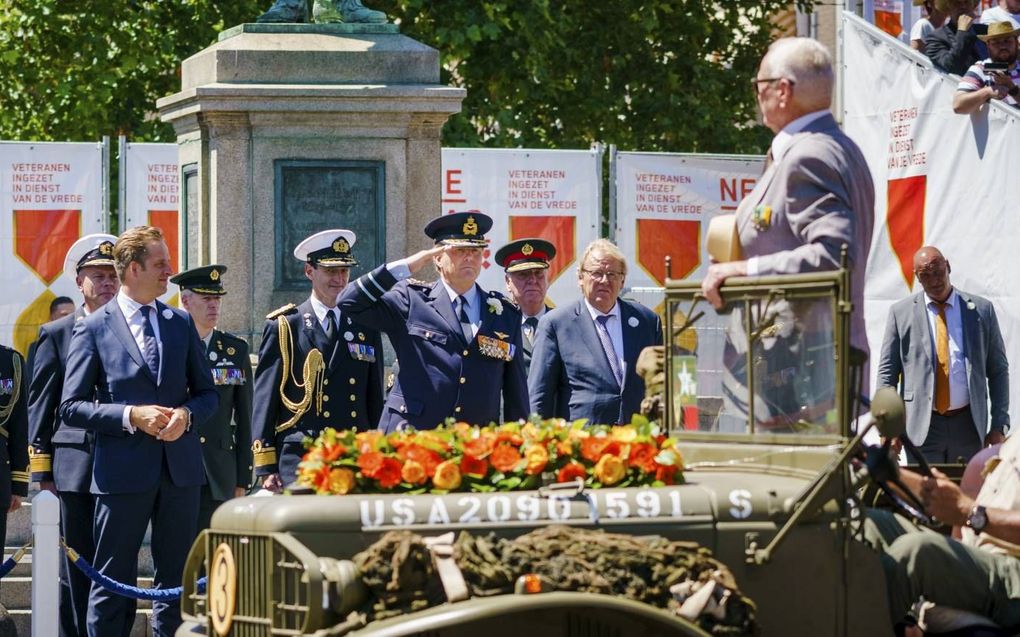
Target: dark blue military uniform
x=441 y=374
x=63 y=455
x=351 y=393
x=14 y=426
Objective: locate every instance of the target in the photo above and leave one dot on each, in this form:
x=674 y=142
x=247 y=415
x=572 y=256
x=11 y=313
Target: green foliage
x=668 y=75
x=78 y=70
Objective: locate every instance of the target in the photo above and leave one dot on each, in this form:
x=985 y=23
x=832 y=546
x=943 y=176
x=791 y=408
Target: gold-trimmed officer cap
x=526 y=254
x=329 y=248
x=92 y=249
x=460 y=229
x=207 y=279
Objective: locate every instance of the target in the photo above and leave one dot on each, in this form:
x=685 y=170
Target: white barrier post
x=45 y=563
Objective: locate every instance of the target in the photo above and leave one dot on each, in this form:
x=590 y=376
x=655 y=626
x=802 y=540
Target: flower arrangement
x=508 y=457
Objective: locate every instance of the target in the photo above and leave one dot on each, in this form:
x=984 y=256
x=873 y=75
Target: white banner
x=52 y=195
x=549 y=194
x=152 y=195
x=663 y=204
x=940 y=179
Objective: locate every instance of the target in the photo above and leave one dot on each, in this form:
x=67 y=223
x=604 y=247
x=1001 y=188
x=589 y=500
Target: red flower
x=642 y=455
x=565 y=448
x=425 y=457
x=389 y=474
x=370 y=463
x=505 y=457
x=665 y=473
x=333 y=452
x=474 y=466
x=593 y=448
x=571 y=471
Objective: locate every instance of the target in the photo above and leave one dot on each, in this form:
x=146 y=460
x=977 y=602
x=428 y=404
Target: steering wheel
x=885 y=471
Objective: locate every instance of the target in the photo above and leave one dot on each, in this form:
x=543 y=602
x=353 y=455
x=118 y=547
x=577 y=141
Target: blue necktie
x=151 y=350
x=607 y=346
x=465 y=322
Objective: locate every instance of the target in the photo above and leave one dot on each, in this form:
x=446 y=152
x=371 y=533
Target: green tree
x=668 y=75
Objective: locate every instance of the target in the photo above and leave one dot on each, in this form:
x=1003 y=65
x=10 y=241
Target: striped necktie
x=607 y=346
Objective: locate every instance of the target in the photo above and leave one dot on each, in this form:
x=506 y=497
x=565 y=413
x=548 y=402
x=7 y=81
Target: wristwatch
x=978 y=518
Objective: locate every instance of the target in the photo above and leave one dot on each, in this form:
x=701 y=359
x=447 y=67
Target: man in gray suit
x=816 y=193
x=586 y=352
x=946 y=345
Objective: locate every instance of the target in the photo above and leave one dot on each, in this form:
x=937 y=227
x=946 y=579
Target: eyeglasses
x=599 y=275
x=756 y=83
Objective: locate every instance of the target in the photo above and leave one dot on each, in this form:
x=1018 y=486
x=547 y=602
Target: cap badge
x=214 y=275
x=341 y=246
x=470 y=227
x=527 y=249
x=106 y=248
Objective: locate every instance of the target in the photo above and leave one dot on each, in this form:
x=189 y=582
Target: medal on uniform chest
x=359 y=352
x=213 y=356
x=348 y=336
x=6 y=386
x=230 y=351
x=361 y=336
x=762 y=217
x=308 y=320
x=495 y=348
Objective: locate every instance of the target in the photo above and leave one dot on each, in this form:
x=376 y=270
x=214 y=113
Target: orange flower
x=571 y=471
x=538 y=458
x=413 y=472
x=389 y=473
x=642 y=455
x=367 y=440
x=332 y=452
x=565 y=448
x=512 y=437
x=624 y=433
x=341 y=481
x=425 y=457
x=447 y=476
x=610 y=470
x=505 y=457
x=665 y=474
x=473 y=466
x=592 y=449
x=479 y=447
x=370 y=463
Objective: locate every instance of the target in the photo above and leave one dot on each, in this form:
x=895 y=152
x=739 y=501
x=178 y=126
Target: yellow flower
x=413 y=472
x=610 y=470
x=537 y=457
x=447 y=476
x=625 y=433
x=341 y=481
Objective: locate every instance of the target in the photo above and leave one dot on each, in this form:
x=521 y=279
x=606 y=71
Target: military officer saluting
x=526 y=262
x=317 y=367
x=459 y=346
x=226 y=436
x=61 y=454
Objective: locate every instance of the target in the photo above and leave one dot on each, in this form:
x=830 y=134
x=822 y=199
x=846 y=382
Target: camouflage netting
x=400 y=576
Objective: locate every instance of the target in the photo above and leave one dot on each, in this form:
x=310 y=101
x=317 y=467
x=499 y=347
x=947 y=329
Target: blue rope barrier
x=126 y=590
x=13 y=560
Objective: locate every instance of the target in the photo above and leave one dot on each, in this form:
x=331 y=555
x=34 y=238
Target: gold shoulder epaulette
x=418 y=283
x=290 y=308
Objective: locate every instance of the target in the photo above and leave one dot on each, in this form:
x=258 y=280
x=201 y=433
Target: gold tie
x=942 y=367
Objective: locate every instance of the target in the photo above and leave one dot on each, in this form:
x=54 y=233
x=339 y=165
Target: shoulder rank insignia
x=418 y=283
x=290 y=308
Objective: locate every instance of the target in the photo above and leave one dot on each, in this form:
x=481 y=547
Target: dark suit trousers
x=119 y=531
x=76 y=514
x=951 y=439
x=206 y=507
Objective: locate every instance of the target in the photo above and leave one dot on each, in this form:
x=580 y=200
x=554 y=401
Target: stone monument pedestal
x=287 y=129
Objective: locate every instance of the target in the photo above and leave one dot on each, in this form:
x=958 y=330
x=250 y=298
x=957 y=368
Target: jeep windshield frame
x=783 y=340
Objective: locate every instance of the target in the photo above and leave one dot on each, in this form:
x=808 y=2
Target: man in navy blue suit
x=343 y=360
x=137 y=377
x=583 y=364
x=62 y=454
x=459 y=346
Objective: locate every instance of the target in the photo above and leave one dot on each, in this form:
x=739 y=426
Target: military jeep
x=761 y=396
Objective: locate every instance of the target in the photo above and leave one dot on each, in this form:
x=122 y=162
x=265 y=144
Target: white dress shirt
x=959 y=391
x=614 y=325
x=136 y=323
x=780 y=144
x=321 y=309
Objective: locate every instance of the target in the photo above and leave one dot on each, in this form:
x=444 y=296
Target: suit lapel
x=443 y=304
x=631 y=347
x=169 y=334
x=922 y=327
x=590 y=335
x=343 y=326
x=488 y=318
x=971 y=331
x=117 y=323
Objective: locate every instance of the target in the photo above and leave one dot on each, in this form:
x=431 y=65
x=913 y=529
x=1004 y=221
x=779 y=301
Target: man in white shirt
x=946 y=346
x=935 y=16
x=1006 y=11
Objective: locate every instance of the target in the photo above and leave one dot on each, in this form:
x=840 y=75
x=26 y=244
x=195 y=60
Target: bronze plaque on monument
x=315 y=195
